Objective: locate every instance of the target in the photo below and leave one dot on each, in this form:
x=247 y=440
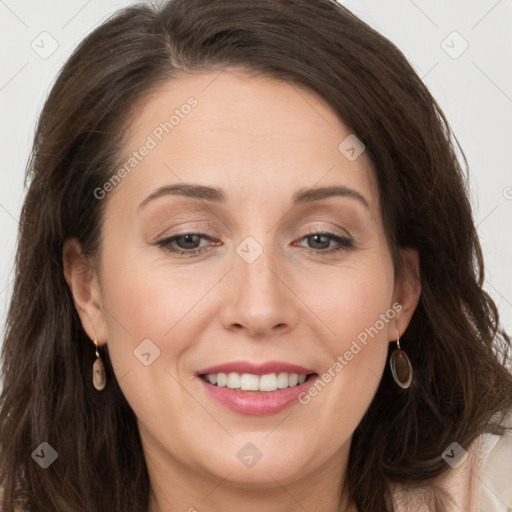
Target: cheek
x=147 y=297
x=147 y=324
x=147 y=308
x=352 y=298
x=357 y=309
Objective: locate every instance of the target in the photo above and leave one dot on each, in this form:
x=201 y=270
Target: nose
x=259 y=300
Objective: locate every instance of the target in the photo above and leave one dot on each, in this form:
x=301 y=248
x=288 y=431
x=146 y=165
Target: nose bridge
x=254 y=265
x=259 y=300
x=257 y=281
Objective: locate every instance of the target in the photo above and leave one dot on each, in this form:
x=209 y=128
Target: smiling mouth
x=256 y=383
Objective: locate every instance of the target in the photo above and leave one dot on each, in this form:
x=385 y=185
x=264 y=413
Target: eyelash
x=344 y=243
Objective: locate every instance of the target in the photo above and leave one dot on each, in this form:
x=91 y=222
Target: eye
x=320 y=242
x=187 y=243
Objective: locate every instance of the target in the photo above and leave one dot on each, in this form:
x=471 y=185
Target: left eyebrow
x=302 y=196
x=308 y=195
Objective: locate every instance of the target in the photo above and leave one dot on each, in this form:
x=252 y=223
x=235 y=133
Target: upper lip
x=256 y=369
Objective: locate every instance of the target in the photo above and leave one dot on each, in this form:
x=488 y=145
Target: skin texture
x=260 y=140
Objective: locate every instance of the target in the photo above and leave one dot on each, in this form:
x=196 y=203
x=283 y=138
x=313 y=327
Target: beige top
x=479 y=480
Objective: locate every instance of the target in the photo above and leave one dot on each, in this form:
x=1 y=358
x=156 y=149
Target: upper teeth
x=251 y=382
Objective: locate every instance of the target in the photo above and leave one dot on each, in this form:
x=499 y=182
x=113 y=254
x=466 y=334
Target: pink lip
x=257 y=403
x=256 y=369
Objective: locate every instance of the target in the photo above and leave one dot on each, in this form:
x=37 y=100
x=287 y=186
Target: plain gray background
x=461 y=50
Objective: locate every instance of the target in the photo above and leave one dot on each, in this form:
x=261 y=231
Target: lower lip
x=257 y=403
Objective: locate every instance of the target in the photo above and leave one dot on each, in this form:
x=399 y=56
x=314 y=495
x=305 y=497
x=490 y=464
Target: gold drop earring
x=401 y=367
x=99 y=376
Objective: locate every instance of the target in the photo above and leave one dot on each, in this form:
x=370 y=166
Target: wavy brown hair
x=458 y=350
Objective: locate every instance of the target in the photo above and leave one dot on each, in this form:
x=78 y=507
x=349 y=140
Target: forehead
x=242 y=133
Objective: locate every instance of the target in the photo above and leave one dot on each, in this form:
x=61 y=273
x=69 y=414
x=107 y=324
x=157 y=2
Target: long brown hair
x=455 y=341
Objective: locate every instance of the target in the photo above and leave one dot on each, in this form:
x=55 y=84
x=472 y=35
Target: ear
x=83 y=282
x=407 y=292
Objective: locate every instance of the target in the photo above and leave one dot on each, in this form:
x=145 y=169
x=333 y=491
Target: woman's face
x=261 y=290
